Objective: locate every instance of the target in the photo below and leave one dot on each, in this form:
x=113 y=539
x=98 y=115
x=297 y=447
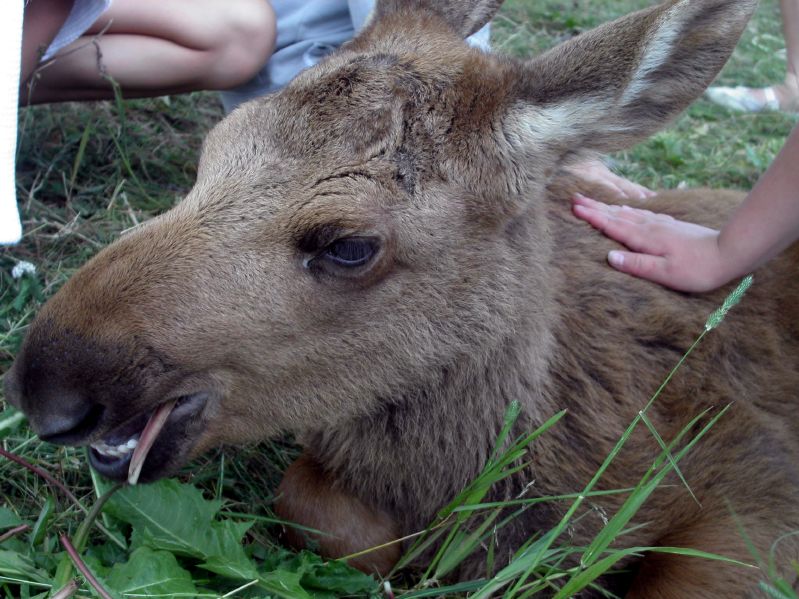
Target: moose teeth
x=115 y=451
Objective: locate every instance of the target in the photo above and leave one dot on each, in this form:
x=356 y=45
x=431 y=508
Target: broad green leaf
x=333 y=576
x=316 y=578
x=213 y=540
x=169 y=511
x=172 y=517
x=284 y=584
x=338 y=578
x=16 y=565
x=224 y=566
x=151 y=573
x=8 y=518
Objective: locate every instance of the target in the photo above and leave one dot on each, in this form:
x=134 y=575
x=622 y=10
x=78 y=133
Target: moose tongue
x=147 y=438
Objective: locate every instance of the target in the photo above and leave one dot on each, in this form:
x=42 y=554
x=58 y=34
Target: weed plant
x=86 y=172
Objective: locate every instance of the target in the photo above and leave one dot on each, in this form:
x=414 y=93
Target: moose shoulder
x=380 y=257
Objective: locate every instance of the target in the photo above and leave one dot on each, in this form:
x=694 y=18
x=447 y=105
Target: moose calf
x=381 y=257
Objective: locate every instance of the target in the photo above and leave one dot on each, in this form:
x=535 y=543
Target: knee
x=309 y=497
x=247 y=34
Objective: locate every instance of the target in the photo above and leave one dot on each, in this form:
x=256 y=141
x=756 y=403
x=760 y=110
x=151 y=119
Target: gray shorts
x=82 y=16
x=306 y=33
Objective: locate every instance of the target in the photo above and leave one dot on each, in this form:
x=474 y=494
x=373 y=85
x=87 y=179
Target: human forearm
x=688 y=257
x=768 y=220
x=790 y=29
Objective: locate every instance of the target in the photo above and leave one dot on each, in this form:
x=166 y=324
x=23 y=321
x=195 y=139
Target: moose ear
x=612 y=86
x=464 y=16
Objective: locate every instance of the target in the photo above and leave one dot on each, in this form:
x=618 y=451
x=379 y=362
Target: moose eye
x=351 y=252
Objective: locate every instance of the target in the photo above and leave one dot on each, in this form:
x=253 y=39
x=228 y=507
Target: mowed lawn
x=87 y=172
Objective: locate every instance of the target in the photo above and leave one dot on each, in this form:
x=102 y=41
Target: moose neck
x=412 y=453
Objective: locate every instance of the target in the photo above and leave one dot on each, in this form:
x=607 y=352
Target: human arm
x=688 y=257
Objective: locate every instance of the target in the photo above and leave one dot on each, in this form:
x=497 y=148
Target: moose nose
x=12 y=389
x=69 y=416
x=57 y=413
x=69 y=383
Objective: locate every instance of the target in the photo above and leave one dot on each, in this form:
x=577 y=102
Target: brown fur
x=309 y=496
x=485 y=289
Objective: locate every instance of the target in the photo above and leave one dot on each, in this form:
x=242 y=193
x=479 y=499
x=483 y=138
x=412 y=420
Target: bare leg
x=308 y=496
x=785 y=95
x=43 y=19
x=788 y=92
x=156 y=47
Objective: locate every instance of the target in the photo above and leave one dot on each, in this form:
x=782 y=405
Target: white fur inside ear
x=532 y=125
x=538 y=124
x=658 y=49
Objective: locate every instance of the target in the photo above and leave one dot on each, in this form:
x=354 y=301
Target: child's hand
x=677 y=254
x=595 y=172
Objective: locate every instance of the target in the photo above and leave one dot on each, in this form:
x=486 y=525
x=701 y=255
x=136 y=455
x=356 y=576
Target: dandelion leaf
x=169 y=516
x=151 y=573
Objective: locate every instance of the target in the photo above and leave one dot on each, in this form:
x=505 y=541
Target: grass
x=86 y=172
x=177 y=535
x=707 y=146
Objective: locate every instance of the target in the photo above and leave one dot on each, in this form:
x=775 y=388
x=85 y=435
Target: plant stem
x=14 y=532
x=60 y=486
x=64 y=570
x=80 y=565
x=43 y=474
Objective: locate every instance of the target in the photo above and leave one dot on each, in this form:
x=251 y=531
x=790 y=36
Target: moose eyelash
x=318 y=238
x=348 y=252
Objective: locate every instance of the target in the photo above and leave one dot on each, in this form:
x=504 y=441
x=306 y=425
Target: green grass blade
x=534 y=500
x=444 y=591
x=463 y=546
x=590 y=574
x=84 y=139
x=511 y=415
x=10 y=420
x=667 y=454
x=633 y=503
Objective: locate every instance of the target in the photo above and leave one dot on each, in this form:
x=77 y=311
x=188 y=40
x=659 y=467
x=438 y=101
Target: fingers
x=623 y=224
x=582 y=200
x=621 y=211
x=628 y=231
x=645 y=266
x=591 y=211
x=597 y=173
x=627 y=189
x=680 y=255
x=638 y=215
x=663 y=270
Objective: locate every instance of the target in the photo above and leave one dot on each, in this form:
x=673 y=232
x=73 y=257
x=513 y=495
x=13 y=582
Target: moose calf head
x=350 y=235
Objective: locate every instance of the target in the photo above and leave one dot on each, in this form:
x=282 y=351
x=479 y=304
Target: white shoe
x=740 y=98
